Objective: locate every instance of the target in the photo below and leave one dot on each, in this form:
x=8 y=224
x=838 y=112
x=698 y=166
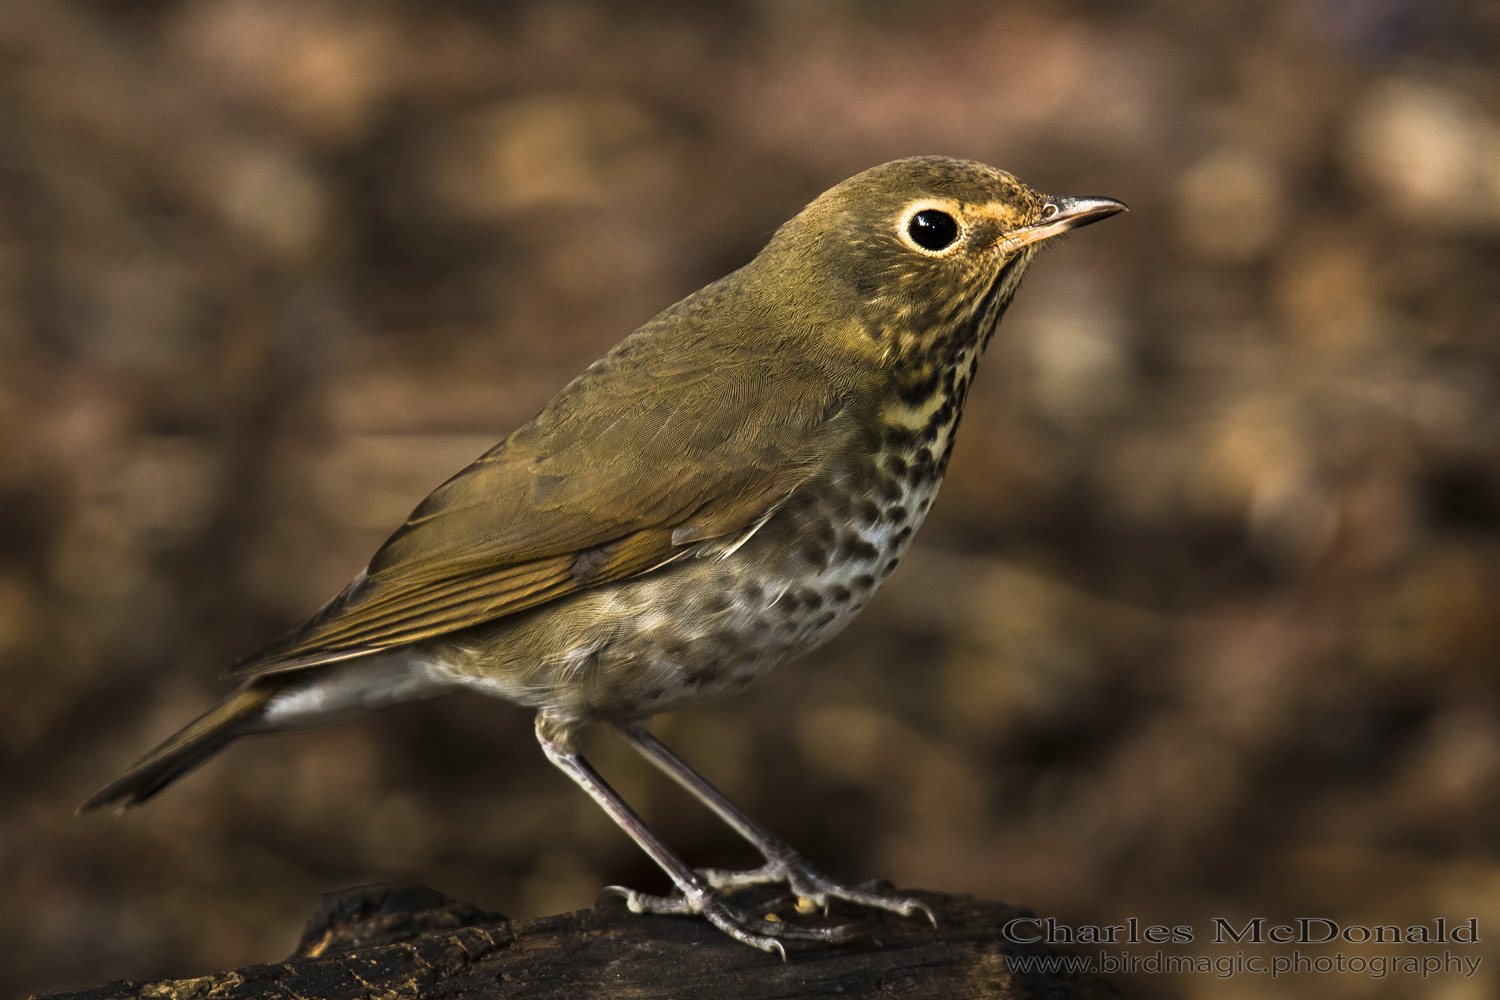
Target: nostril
x=1048 y=210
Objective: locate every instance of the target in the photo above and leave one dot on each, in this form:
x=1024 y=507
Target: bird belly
x=705 y=626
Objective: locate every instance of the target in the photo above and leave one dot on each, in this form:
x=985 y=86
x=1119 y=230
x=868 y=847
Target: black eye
x=931 y=229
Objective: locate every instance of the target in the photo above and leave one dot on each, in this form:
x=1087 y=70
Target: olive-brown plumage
x=721 y=491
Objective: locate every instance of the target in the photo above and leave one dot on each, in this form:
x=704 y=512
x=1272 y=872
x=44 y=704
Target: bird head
x=912 y=263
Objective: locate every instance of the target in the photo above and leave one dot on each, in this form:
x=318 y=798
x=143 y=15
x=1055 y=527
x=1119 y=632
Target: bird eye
x=931 y=229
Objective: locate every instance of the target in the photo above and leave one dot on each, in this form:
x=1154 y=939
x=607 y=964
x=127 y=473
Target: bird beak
x=1060 y=215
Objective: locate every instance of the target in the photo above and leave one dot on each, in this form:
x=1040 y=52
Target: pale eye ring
x=932 y=229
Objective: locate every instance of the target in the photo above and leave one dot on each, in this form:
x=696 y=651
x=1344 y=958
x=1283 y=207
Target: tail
x=194 y=744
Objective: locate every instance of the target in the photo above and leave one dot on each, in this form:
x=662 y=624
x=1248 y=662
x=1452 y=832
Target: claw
x=765 y=933
x=811 y=890
x=640 y=902
x=631 y=897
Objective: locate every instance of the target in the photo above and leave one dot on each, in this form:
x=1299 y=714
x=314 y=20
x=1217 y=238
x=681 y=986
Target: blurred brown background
x=1206 y=622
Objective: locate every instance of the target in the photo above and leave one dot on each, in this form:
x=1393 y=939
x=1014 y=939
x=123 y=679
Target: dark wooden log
x=414 y=942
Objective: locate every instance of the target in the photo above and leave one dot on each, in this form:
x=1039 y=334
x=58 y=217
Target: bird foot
x=811 y=889
x=765 y=933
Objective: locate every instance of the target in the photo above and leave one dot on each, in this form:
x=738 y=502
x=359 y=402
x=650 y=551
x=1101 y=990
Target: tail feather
x=194 y=744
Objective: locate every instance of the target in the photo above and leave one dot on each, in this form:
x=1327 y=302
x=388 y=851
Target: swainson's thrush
x=723 y=490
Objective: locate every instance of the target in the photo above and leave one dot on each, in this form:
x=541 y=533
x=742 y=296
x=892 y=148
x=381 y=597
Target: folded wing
x=636 y=464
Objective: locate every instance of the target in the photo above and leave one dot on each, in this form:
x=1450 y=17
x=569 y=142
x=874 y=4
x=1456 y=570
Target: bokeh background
x=1206 y=622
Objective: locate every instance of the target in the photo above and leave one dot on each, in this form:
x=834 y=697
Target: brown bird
x=723 y=490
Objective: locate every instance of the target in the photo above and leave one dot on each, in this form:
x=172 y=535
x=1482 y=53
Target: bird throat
x=932 y=375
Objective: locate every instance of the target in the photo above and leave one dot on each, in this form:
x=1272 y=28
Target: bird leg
x=697 y=894
x=783 y=865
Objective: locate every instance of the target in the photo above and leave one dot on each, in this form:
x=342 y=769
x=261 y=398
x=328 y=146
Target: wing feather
x=632 y=466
